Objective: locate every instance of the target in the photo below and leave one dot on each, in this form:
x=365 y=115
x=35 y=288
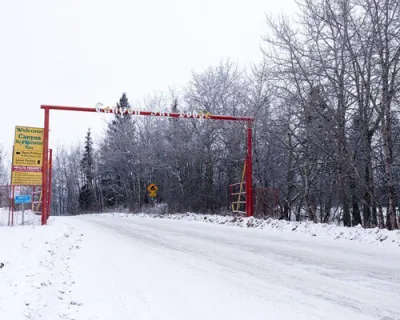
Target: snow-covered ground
x=35 y=274
x=381 y=237
x=20 y=218
x=114 y=266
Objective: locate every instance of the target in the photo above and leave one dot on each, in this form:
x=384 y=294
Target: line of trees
x=326 y=101
x=4 y=176
x=4 y=181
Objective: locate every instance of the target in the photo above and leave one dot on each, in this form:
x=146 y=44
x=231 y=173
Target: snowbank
x=35 y=275
x=375 y=236
x=26 y=218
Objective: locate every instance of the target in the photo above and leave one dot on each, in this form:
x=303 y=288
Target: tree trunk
x=391 y=221
x=356 y=215
x=289 y=181
x=343 y=184
x=368 y=194
x=298 y=211
x=346 y=208
x=328 y=208
x=209 y=175
x=381 y=221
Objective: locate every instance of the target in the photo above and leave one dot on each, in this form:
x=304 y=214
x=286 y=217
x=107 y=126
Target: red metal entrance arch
x=100 y=109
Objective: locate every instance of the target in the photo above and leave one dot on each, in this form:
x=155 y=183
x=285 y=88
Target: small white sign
x=17 y=191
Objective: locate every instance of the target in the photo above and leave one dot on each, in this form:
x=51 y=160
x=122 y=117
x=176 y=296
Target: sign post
x=23 y=199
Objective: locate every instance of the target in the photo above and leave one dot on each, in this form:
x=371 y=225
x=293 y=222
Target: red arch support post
x=46 y=197
x=45 y=171
x=249 y=171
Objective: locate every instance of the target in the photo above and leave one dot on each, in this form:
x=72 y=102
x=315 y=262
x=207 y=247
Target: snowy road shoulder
x=36 y=280
x=374 y=236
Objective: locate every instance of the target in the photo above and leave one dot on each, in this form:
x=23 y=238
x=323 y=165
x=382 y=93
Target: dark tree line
x=326 y=136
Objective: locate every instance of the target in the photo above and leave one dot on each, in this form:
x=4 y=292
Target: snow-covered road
x=138 y=268
x=108 y=267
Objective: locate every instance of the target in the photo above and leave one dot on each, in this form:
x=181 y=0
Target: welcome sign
x=27 y=156
x=162 y=113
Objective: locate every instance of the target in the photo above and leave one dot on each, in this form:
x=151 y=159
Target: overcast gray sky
x=80 y=52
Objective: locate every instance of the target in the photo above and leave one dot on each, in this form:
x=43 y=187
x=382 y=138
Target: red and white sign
x=27 y=169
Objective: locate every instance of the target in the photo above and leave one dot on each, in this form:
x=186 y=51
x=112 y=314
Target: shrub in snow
x=157 y=209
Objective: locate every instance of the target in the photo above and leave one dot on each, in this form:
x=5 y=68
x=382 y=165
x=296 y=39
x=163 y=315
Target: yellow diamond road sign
x=152 y=188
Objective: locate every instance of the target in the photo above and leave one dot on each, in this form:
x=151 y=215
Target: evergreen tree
x=87 y=197
x=117 y=158
x=87 y=159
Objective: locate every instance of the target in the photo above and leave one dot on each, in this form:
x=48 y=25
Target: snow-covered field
x=113 y=266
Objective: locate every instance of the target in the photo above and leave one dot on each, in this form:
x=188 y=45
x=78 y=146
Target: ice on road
x=138 y=268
